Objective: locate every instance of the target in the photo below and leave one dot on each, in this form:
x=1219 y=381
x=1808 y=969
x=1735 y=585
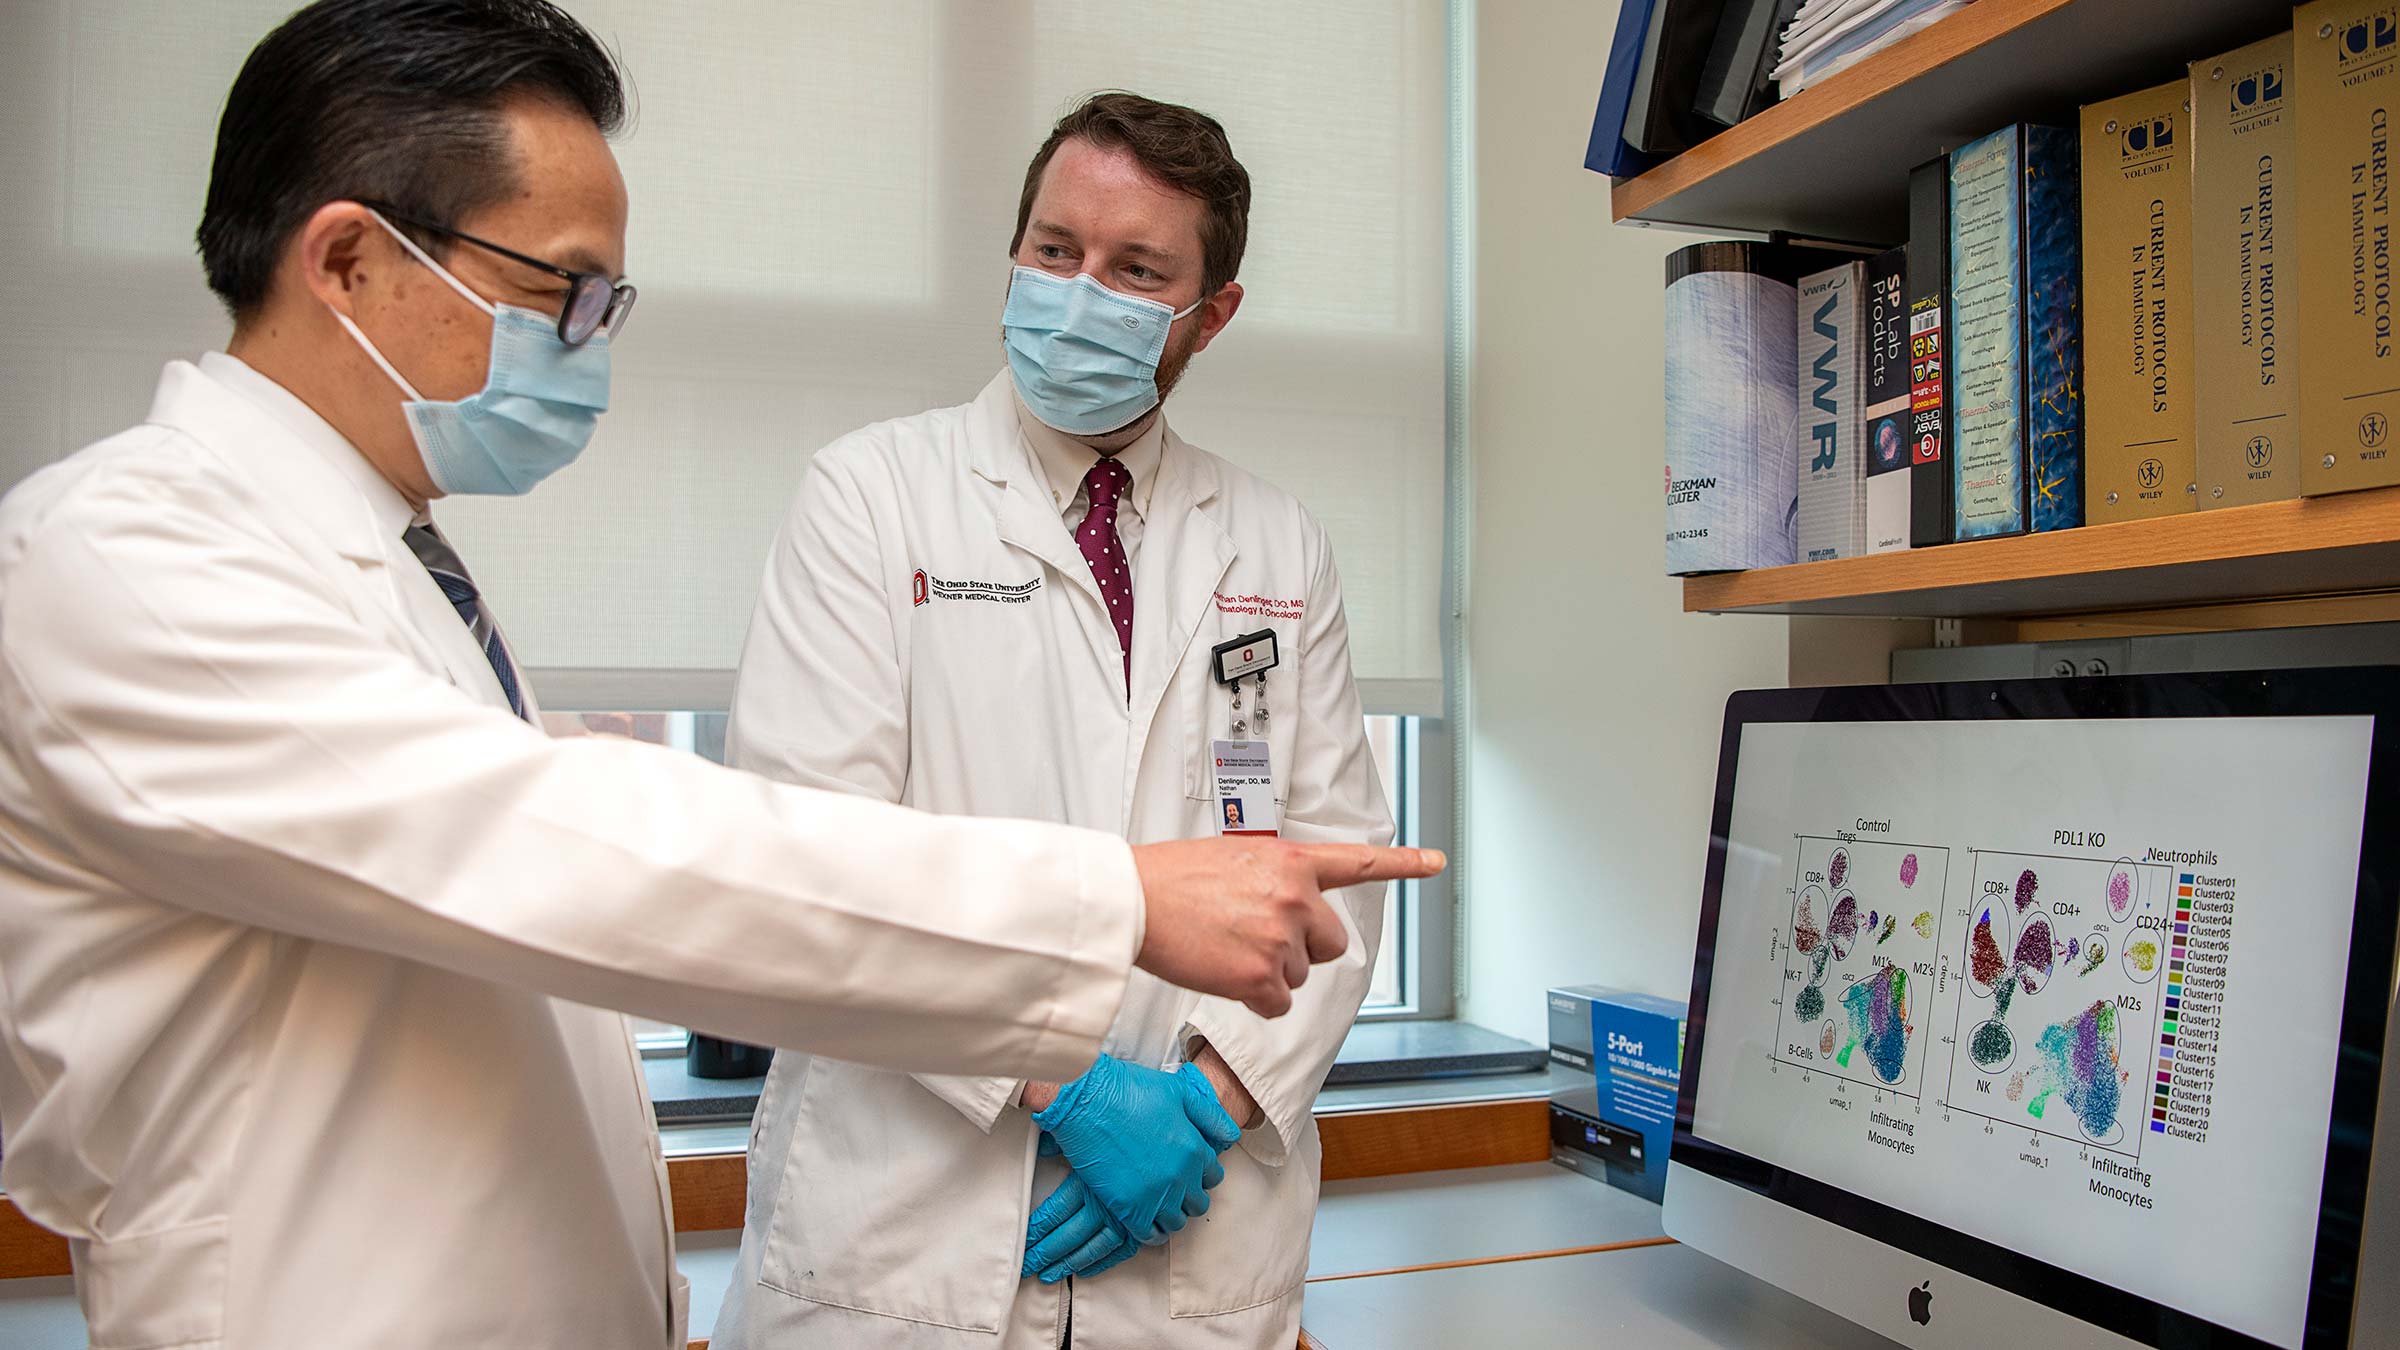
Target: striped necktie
x=450 y=574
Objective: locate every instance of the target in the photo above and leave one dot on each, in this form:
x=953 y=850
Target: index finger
x=1351 y=864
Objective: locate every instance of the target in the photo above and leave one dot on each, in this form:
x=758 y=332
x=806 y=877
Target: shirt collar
x=393 y=514
x=1064 y=460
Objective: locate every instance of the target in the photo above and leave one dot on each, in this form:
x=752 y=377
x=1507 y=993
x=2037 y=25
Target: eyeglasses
x=593 y=301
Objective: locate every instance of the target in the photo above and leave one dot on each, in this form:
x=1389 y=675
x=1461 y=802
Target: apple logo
x=1920 y=1304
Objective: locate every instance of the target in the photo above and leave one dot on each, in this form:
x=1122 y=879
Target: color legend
x=2198 y=946
x=2179 y=934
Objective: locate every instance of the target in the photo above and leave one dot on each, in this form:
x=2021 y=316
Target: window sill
x=1382 y=1064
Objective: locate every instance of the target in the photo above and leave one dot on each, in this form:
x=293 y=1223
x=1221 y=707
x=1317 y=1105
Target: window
x=822 y=196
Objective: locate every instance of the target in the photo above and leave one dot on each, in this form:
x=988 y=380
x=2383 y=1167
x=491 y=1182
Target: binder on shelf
x=1832 y=360
x=1929 y=482
x=1887 y=418
x=1662 y=117
x=2137 y=305
x=2016 y=360
x=2246 y=441
x=1608 y=153
x=1738 y=81
x=2345 y=83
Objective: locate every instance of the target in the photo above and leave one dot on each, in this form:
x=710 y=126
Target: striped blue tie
x=450 y=574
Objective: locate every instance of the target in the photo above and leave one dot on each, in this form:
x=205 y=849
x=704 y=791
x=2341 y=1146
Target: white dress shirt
x=1065 y=459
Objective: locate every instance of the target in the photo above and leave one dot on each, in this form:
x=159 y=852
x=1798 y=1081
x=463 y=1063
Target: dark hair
x=1180 y=147
x=394 y=100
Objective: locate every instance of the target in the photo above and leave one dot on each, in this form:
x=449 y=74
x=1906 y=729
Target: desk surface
x=1362 y=1294
x=1659 y=1298
x=1386 y=1223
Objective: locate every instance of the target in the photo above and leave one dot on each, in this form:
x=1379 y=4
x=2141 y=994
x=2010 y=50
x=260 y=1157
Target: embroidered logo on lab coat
x=925 y=587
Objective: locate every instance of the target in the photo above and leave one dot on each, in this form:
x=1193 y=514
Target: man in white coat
x=1009 y=608
x=299 y=912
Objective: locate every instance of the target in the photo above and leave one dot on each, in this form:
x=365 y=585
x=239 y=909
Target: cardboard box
x=1585 y=1143
x=2137 y=305
x=1633 y=1046
x=2246 y=433
x=2345 y=83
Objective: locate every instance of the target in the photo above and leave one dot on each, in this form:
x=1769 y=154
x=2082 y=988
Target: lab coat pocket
x=895 y=1204
x=1251 y=1248
x=1208 y=718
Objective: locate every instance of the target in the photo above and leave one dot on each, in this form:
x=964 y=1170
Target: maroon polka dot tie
x=1105 y=553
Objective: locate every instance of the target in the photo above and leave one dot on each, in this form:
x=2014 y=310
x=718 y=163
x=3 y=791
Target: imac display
x=2062 y=988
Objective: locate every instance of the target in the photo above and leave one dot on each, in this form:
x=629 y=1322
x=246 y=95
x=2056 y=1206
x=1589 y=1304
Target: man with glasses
x=303 y=923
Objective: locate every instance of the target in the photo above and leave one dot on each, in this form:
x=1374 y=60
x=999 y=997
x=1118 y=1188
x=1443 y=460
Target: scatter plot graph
x=1992 y=1045
x=1808 y=920
x=2085 y=1068
x=2124 y=890
x=1877 y=1011
x=1989 y=937
x=2055 y=1008
x=1857 y=973
x=1842 y=929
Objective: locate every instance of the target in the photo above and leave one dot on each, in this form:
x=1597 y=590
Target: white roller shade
x=822 y=200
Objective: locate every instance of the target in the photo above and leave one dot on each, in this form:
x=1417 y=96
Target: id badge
x=1245 y=782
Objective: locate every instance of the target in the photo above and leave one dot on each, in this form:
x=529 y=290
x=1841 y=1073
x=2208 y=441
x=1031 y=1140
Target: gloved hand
x=1072 y=1234
x=1143 y=1142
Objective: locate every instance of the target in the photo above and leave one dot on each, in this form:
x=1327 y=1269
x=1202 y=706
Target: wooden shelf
x=2320 y=546
x=1833 y=161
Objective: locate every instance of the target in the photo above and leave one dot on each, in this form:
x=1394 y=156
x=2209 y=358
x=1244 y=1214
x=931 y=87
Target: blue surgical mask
x=538 y=407
x=1085 y=357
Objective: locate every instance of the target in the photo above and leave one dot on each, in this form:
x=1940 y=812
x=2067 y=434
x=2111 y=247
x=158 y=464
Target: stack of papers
x=1827 y=36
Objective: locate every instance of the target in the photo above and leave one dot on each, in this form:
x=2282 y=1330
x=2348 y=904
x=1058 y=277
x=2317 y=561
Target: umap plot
x=2057 y=1014
x=1859 y=962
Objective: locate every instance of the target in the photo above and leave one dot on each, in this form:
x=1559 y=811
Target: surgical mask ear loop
x=438 y=270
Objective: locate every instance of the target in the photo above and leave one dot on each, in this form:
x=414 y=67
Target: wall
x=1596 y=702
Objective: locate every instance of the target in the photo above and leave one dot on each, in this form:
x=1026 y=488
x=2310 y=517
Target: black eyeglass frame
x=582 y=287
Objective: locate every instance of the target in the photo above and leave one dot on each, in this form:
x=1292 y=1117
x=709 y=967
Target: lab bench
x=1526 y=1255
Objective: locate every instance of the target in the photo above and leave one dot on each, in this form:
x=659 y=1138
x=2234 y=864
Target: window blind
x=823 y=195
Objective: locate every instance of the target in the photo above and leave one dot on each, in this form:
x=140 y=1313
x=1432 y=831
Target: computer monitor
x=2051 y=1012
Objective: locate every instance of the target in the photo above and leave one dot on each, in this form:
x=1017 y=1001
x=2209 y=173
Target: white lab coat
x=890 y=1211
x=292 y=909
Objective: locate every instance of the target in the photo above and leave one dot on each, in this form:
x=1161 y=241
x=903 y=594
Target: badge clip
x=1249 y=654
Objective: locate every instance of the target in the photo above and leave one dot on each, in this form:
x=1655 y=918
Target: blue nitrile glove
x=1145 y=1142
x=1072 y=1234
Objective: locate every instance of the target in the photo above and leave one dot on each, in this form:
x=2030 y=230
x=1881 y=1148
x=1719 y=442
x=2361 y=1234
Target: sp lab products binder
x=1885 y=443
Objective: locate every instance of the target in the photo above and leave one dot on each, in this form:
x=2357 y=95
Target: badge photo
x=1245 y=788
